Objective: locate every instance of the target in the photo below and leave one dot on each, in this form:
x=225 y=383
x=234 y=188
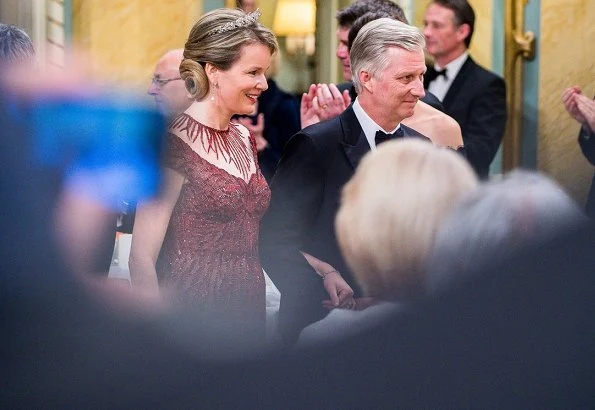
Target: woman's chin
x=248 y=110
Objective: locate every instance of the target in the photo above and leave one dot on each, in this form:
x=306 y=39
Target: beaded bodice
x=210 y=253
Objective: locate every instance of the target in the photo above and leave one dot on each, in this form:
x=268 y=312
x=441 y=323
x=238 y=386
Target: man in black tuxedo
x=473 y=96
x=388 y=60
x=582 y=109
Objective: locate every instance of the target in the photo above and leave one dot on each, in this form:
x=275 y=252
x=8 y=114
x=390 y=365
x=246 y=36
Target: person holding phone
x=205 y=223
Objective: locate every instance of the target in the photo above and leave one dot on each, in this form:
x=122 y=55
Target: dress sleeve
x=175 y=154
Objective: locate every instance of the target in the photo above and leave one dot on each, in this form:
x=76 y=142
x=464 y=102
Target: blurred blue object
x=108 y=147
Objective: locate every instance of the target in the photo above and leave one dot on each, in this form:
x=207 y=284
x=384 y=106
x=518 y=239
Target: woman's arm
x=150 y=226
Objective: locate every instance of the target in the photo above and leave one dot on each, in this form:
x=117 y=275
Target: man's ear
x=463 y=31
x=365 y=78
x=212 y=73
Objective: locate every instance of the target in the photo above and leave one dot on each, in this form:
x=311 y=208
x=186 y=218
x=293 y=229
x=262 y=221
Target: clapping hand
x=586 y=108
x=257 y=130
x=322 y=102
x=581 y=108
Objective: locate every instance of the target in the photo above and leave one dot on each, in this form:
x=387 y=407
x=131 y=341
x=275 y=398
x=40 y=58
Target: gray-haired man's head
x=15 y=45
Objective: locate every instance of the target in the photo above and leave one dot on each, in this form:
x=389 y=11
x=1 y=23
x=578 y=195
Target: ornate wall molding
x=519 y=47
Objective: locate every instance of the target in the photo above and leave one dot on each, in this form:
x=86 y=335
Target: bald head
x=167 y=87
x=176 y=55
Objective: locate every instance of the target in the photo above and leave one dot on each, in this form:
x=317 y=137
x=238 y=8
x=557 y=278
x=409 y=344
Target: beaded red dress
x=210 y=253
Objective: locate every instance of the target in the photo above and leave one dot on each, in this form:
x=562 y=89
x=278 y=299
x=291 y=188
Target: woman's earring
x=213 y=95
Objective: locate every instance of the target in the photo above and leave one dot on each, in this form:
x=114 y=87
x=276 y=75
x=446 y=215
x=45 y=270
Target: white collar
x=369 y=126
x=453 y=68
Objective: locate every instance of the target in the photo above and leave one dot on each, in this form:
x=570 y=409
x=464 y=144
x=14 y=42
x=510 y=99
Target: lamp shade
x=295 y=18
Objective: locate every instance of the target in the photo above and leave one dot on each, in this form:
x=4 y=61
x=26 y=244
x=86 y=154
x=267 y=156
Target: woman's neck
x=208 y=113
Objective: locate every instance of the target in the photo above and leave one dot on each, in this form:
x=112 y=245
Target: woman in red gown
x=204 y=226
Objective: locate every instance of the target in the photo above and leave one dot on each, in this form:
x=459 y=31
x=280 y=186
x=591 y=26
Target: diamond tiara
x=243 y=21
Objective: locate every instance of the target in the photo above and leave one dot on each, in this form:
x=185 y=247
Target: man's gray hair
x=368 y=52
x=495 y=221
x=15 y=45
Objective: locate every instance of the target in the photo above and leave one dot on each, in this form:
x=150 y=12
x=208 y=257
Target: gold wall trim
x=519 y=47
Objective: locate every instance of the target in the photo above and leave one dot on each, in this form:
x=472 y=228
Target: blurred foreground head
x=391 y=210
x=15 y=46
x=498 y=219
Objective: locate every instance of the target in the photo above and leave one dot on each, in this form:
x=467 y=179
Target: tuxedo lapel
x=354 y=141
x=459 y=81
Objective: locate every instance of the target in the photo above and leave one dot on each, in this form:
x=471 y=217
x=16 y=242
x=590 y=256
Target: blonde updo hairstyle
x=221 y=49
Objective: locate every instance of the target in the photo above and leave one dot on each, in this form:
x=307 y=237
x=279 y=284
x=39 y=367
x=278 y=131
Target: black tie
x=432 y=74
x=382 y=136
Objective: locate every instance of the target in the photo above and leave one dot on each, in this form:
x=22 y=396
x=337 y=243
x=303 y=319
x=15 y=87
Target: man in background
x=167 y=86
x=325 y=101
x=582 y=109
x=472 y=95
x=172 y=99
x=346 y=17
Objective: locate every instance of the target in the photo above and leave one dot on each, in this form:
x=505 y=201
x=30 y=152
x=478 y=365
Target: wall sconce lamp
x=296 y=21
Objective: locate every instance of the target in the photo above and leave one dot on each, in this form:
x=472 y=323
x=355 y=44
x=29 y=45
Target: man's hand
x=569 y=98
x=340 y=293
x=322 y=102
x=330 y=101
x=586 y=108
x=308 y=113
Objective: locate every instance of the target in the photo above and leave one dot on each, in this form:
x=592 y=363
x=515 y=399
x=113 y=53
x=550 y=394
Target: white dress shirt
x=368 y=125
x=439 y=87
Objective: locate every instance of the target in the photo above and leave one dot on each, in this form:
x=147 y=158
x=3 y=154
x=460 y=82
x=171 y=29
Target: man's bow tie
x=382 y=136
x=432 y=74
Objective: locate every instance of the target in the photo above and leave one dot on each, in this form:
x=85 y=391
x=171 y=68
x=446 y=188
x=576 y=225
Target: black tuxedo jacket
x=586 y=141
x=306 y=190
x=476 y=99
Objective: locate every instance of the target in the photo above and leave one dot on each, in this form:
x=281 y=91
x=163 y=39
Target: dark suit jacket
x=476 y=99
x=586 y=141
x=429 y=98
x=306 y=189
